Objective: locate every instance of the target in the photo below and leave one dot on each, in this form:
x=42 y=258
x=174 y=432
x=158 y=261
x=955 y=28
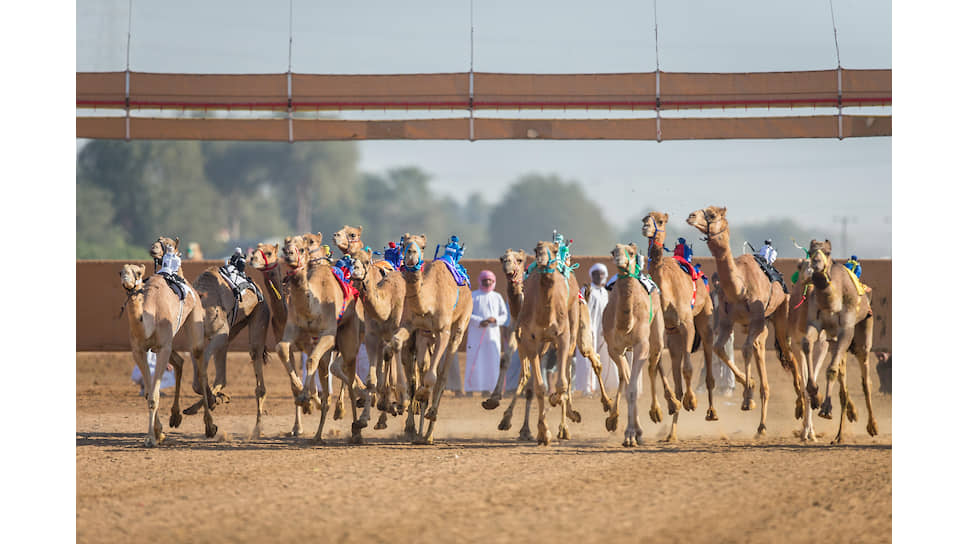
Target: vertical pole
x=470 y=101
x=840 y=105
x=658 y=100
x=289 y=76
x=127 y=80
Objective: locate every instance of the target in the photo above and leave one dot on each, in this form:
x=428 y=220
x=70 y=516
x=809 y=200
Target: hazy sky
x=812 y=181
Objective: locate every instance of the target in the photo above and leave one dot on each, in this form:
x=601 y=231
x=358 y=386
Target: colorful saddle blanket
x=343 y=269
x=646 y=282
x=456 y=269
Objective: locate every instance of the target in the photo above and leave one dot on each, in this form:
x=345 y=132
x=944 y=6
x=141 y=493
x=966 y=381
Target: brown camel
x=225 y=317
x=751 y=300
x=318 y=310
x=437 y=310
x=266 y=260
x=512 y=263
x=846 y=316
x=382 y=292
x=348 y=239
x=155 y=315
x=633 y=321
x=157 y=251
x=687 y=310
x=804 y=339
x=550 y=315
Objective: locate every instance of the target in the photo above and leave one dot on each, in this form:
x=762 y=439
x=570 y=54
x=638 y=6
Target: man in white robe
x=597 y=298
x=484 y=336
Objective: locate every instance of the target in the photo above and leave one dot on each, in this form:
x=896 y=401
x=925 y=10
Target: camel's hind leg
x=703 y=327
x=445 y=348
x=687 y=333
x=175 y=419
x=865 y=331
x=618 y=356
x=759 y=354
x=633 y=431
x=524 y=434
x=323 y=398
x=534 y=360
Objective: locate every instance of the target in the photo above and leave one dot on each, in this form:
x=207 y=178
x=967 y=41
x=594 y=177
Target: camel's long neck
x=376 y=299
x=515 y=297
x=729 y=277
x=624 y=316
x=272 y=279
x=545 y=312
x=826 y=292
x=655 y=253
x=420 y=293
x=135 y=307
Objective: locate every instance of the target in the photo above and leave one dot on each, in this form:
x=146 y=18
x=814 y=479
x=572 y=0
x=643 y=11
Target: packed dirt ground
x=717 y=484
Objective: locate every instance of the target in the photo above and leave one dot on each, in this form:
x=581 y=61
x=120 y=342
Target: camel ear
x=142 y=268
x=665 y=217
x=635 y=248
x=360 y=227
x=276 y=246
x=176 y=243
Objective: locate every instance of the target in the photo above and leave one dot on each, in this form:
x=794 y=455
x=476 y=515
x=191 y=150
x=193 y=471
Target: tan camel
x=687 y=310
x=804 y=339
x=845 y=314
x=318 y=310
x=633 y=321
x=157 y=251
x=512 y=263
x=750 y=300
x=155 y=315
x=225 y=317
x=382 y=292
x=266 y=260
x=348 y=239
x=437 y=310
x=550 y=315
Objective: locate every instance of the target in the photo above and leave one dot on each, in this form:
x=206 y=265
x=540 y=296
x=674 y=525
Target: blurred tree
x=98 y=236
x=536 y=205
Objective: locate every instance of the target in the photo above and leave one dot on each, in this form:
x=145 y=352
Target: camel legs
x=323 y=398
x=633 y=431
x=179 y=365
x=844 y=337
x=703 y=327
x=785 y=353
x=446 y=345
x=141 y=359
x=494 y=400
x=539 y=388
x=217 y=349
x=618 y=356
x=285 y=352
x=723 y=333
x=865 y=331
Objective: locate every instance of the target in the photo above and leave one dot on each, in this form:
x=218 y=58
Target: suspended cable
x=840 y=82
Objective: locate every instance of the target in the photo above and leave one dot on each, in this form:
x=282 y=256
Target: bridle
x=710 y=236
x=137 y=289
x=632 y=270
x=420 y=261
x=826 y=263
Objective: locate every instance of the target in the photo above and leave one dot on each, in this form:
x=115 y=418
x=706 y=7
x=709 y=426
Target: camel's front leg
x=445 y=348
x=703 y=327
x=325 y=344
x=285 y=353
x=618 y=356
x=633 y=431
x=323 y=401
x=759 y=355
x=862 y=352
x=494 y=400
x=141 y=359
x=844 y=338
x=196 y=331
x=723 y=334
x=258 y=365
x=534 y=361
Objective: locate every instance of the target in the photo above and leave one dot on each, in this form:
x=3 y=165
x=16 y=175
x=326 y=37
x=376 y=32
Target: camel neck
x=272 y=279
x=376 y=300
x=729 y=278
x=623 y=291
x=655 y=254
x=418 y=291
x=135 y=306
x=515 y=297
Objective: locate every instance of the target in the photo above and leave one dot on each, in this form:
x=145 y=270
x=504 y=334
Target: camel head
x=710 y=221
x=545 y=254
x=654 y=223
x=513 y=264
x=265 y=257
x=295 y=252
x=346 y=237
x=804 y=270
x=820 y=257
x=413 y=246
x=315 y=249
x=625 y=257
x=362 y=259
x=157 y=248
x=131 y=276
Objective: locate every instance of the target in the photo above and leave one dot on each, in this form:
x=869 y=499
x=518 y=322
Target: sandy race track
x=717 y=484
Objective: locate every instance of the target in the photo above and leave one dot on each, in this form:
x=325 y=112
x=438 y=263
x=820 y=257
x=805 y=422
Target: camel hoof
x=851 y=414
x=674 y=405
x=150 y=442
x=360 y=402
x=359 y=425
x=356 y=438
x=382 y=405
x=525 y=435
x=193 y=409
x=606 y=404
x=574 y=415
x=711 y=415
x=431 y=414
x=689 y=401
x=544 y=439
x=491 y=403
x=655 y=414
x=424 y=441
x=339 y=412
x=256 y=432
x=211 y=430
x=825 y=409
x=296 y=431
x=629 y=442
x=872 y=428
x=410 y=434
x=505 y=423
x=815 y=400
x=381 y=423
x=748 y=405
x=838 y=440
x=564 y=433
x=611 y=423
x=222 y=398
x=175 y=420
x=554 y=398
x=761 y=430
x=673 y=437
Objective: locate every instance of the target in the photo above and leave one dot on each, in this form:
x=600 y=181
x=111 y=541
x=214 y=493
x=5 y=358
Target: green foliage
x=536 y=205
